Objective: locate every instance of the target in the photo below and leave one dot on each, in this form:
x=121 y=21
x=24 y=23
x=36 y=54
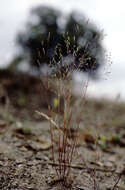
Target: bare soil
x=25 y=144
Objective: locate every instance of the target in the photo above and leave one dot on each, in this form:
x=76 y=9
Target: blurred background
x=107 y=16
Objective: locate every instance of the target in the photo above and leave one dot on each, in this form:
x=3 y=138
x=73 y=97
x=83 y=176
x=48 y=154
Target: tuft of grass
x=63 y=144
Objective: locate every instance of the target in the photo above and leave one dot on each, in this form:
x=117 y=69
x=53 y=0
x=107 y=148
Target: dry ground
x=25 y=148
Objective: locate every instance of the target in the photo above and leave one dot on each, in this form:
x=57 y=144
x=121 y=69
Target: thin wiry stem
x=53 y=154
x=117 y=181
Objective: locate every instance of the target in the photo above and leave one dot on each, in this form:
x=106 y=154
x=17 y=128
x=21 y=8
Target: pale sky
x=109 y=15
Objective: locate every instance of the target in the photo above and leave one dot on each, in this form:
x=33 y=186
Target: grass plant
x=63 y=143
